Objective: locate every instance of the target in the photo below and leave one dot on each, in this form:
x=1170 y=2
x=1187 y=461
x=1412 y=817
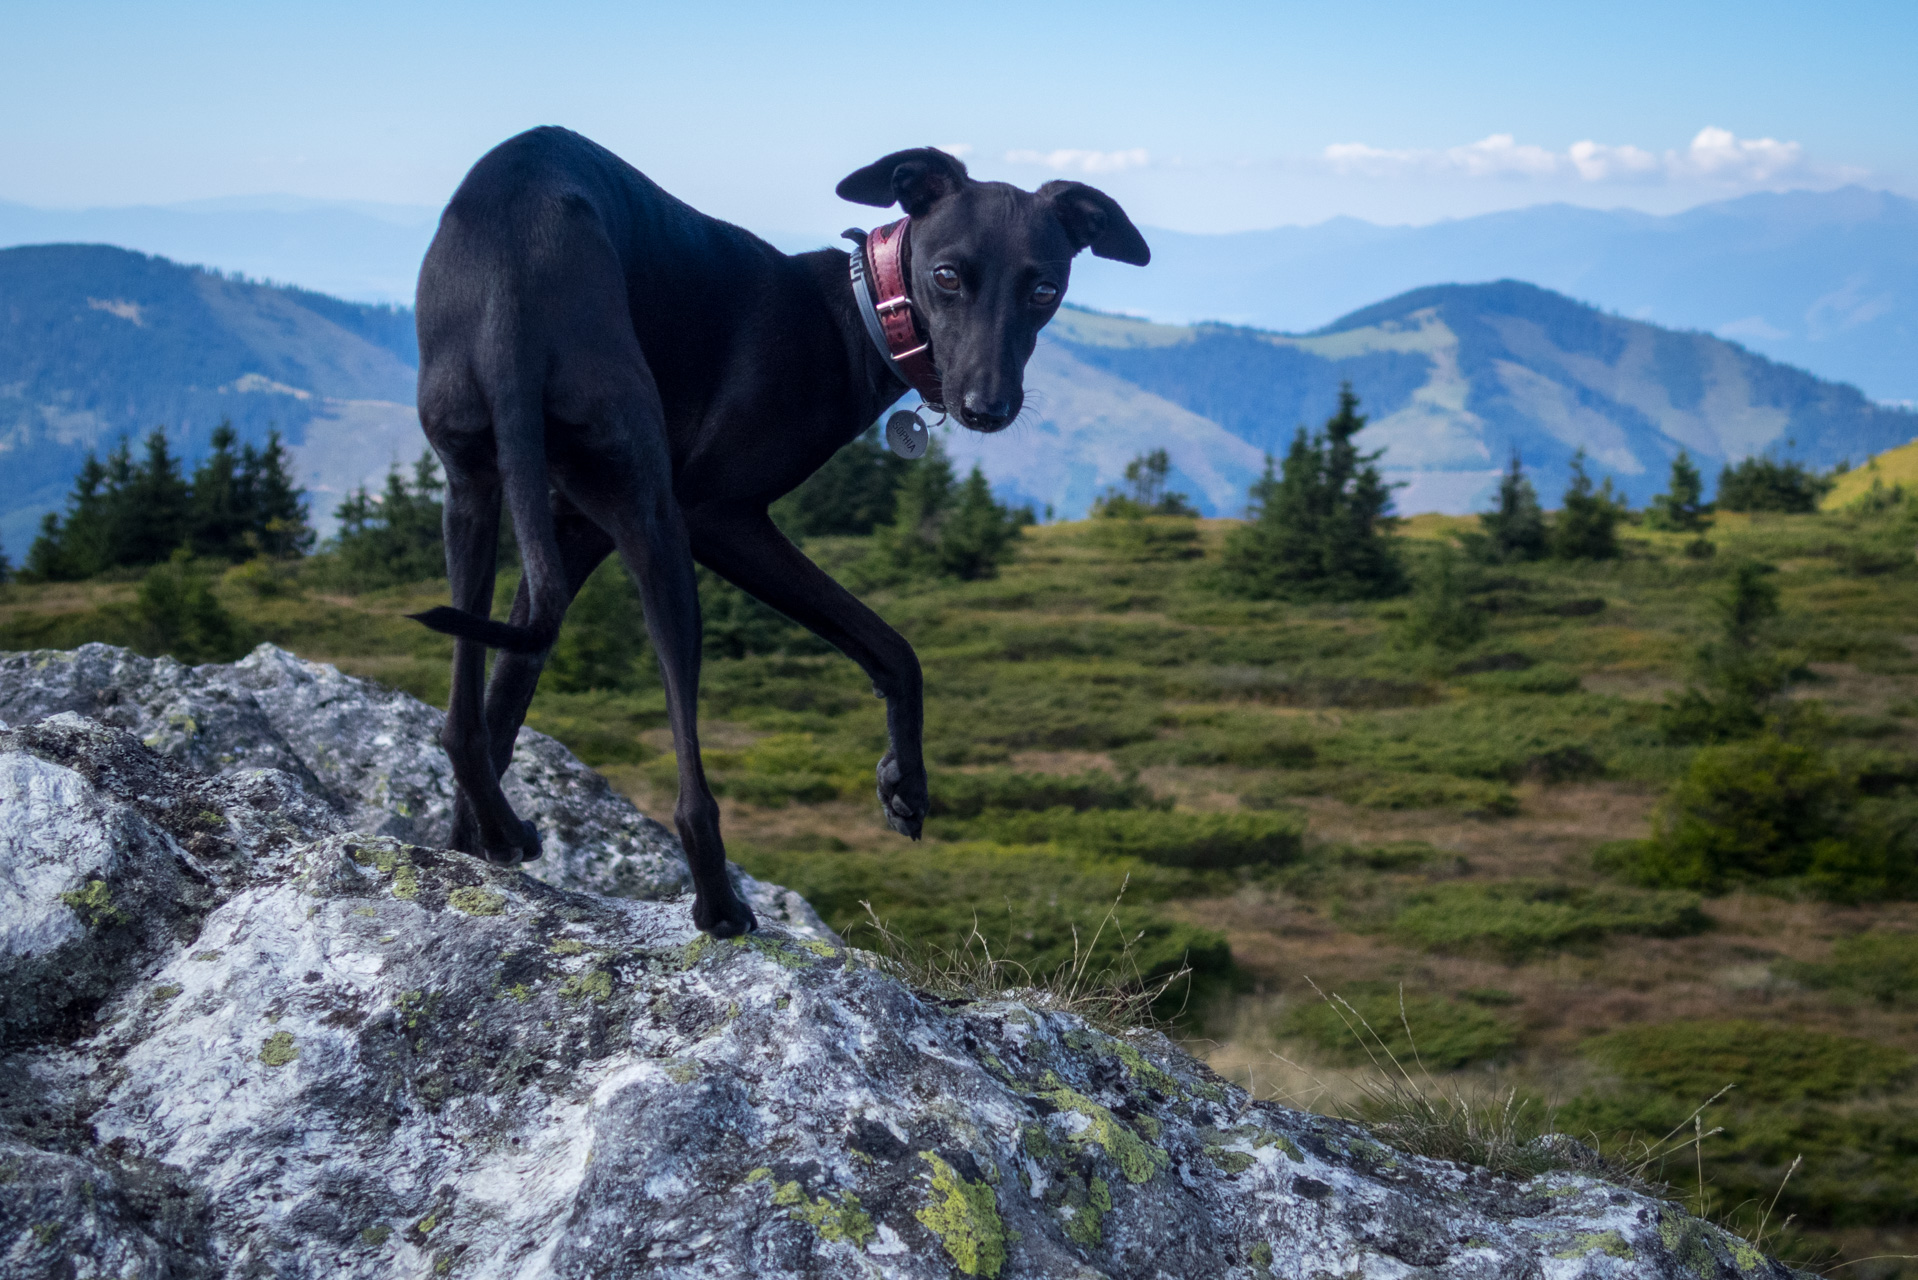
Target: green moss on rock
x=475 y=901
x=834 y=1221
x=279 y=1049
x=94 y=904
x=965 y=1217
x=1085 y=1211
x=1610 y=1242
x=1137 y=1159
x=595 y=983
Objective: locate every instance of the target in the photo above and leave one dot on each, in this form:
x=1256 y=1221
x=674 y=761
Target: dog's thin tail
x=490 y=632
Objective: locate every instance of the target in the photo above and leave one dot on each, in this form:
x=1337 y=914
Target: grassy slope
x=1892 y=467
x=1450 y=816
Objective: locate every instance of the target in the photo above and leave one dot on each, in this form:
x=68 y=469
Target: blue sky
x=1203 y=117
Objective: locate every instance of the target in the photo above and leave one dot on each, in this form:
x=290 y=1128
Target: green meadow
x=1273 y=800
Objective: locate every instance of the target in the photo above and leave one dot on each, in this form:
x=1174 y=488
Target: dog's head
x=988 y=267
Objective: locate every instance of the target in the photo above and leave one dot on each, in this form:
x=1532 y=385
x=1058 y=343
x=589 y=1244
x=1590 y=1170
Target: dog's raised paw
x=904 y=801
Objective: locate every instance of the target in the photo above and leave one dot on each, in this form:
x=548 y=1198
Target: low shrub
x=1517 y=918
x=1441 y=613
x=1200 y=841
x=1445 y=1033
x=1472 y=796
x=1245 y=746
x=1883 y=966
x=1143 y=537
x=179 y=615
x=1768 y=812
x=1763 y=1062
x=602 y=728
x=1431 y=791
x=1248 y=683
x=778 y=770
x=1048 y=714
x=967 y=795
x=1546 y=678
x=1858 y=1168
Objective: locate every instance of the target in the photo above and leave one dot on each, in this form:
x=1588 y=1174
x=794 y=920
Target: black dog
x=633 y=376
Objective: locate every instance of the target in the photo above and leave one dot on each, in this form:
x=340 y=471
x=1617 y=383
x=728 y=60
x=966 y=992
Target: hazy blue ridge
x=1456 y=377
x=1824 y=280
x=98 y=342
x=1827 y=281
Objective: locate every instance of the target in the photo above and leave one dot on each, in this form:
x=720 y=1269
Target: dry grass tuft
x=1116 y=996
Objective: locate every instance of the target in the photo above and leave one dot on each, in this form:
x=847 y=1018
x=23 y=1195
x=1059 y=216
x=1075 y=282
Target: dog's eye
x=1045 y=295
x=946 y=278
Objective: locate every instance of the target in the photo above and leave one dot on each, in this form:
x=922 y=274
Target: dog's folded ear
x=912 y=179
x=1095 y=221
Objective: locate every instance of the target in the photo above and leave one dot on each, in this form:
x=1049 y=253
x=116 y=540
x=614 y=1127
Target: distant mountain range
x=96 y=342
x=1454 y=378
x=367 y=252
x=1827 y=281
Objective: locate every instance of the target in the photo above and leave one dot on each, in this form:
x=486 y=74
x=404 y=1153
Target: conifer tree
x=1739 y=682
x=219 y=520
x=1771 y=484
x=944 y=528
x=1145 y=492
x=1319 y=529
x=1587 y=524
x=397 y=537
x=124 y=513
x=276 y=508
x=1681 y=508
x=1515 y=530
x=154 y=512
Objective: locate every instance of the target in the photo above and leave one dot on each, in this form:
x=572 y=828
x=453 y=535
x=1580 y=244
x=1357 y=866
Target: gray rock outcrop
x=245 y=1036
x=370 y=753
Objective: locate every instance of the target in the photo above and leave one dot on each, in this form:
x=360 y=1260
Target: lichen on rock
x=965 y=1217
x=304 y=1052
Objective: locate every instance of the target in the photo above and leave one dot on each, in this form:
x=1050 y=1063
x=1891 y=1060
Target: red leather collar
x=905 y=345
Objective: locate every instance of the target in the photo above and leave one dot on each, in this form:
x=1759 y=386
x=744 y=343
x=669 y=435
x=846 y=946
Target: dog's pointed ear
x=1095 y=221
x=912 y=179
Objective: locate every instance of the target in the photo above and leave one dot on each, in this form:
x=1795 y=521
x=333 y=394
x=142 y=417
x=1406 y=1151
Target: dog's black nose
x=982 y=414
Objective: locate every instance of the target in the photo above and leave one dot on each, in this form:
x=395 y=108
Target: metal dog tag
x=906 y=434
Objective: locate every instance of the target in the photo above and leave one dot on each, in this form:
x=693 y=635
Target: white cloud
x=1598 y=162
x=1715 y=155
x=1071 y=161
x=1500 y=155
x=959 y=149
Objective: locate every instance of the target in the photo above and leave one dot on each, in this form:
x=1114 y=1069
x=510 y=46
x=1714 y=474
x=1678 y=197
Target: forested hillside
x=98 y=342
x=1457 y=377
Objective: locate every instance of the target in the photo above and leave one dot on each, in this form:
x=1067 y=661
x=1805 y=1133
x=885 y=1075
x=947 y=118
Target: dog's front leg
x=747 y=549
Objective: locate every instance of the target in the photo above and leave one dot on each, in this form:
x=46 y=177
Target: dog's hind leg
x=622 y=480
x=480 y=468
x=582 y=545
